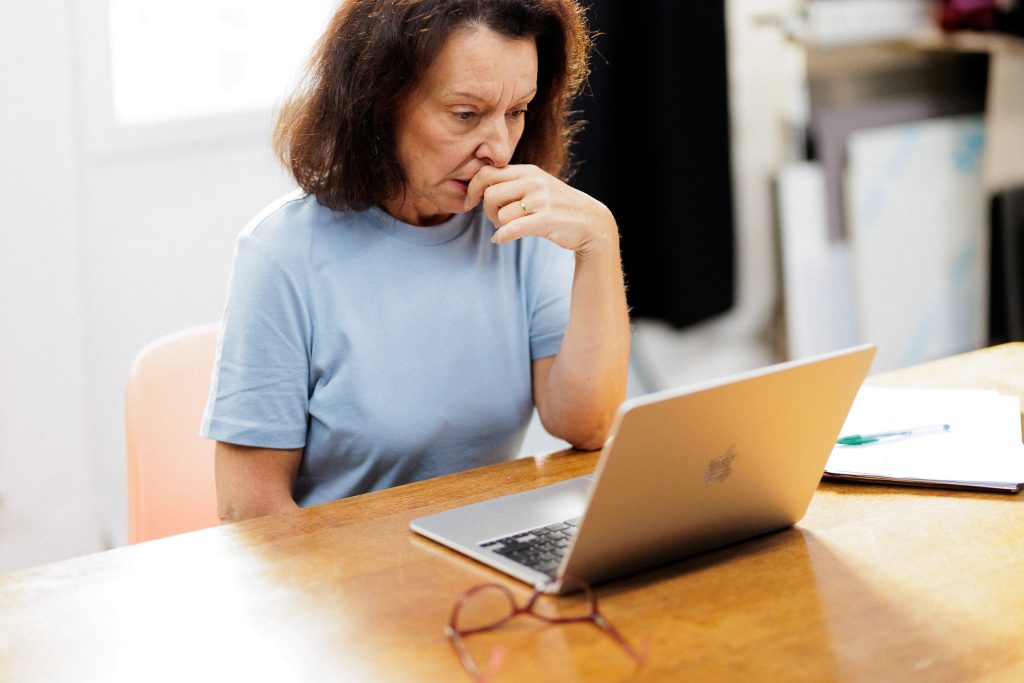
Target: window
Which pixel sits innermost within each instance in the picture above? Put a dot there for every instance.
(168, 73)
(174, 60)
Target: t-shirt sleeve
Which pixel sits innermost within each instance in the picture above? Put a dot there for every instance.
(259, 391)
(549, 291)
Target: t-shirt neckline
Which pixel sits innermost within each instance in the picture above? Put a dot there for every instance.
(420, 234)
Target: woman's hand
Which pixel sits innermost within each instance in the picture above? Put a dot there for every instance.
(523, 200)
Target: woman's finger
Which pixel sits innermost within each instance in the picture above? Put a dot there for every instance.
(517, 208)
(526, 226)
(487, 177)
(500, 194)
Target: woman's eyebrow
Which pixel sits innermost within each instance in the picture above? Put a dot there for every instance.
(461, 95)
(464, 96)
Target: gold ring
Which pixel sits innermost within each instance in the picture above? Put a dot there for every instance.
(522, 203)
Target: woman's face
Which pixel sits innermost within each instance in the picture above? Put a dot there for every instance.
(468, 112)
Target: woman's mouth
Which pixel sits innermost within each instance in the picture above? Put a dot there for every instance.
(463, 185)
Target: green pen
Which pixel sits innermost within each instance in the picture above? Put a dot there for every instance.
(861, 439)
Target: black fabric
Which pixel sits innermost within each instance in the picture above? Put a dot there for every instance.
(656, 151)
(1006, 260)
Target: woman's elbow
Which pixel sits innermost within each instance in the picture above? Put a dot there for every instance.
(231, 510)
(583, 434)
(595, 443)
(228, 513)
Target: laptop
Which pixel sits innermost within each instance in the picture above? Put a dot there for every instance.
(685, 470)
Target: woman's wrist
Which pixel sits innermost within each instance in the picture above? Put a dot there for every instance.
(604, 239)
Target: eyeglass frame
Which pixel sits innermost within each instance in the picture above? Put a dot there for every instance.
(456, 635)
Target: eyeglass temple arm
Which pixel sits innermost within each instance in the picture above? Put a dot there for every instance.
(494, 662)
(609, 628)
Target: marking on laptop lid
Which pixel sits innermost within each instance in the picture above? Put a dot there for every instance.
(719, 469)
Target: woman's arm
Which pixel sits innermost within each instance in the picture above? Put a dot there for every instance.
(578, 390)
(254, 482)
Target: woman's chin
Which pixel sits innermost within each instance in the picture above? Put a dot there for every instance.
(455, 206)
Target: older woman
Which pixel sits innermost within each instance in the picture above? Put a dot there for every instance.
(434, 279)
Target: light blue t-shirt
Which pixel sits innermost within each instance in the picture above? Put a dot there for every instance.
(391, 353)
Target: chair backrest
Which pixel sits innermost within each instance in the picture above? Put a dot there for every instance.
(170, 467)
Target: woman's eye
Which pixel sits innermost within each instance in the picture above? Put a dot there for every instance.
(465, 115)
(517, 114)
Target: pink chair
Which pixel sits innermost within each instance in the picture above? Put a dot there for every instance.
(170, 467)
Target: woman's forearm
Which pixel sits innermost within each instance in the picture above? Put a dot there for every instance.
(587, 379)
(254, 482)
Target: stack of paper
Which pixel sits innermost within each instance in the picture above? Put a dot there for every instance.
(980, 449)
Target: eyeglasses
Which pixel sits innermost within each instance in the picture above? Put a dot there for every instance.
(491, 605)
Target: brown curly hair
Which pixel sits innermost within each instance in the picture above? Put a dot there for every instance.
(336, 134)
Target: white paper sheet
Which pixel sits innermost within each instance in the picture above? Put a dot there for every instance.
(983, 443)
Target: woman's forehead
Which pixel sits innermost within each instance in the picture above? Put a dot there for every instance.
(479, 63)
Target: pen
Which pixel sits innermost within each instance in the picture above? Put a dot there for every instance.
(861, 439)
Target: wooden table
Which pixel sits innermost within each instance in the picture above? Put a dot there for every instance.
(876, 583)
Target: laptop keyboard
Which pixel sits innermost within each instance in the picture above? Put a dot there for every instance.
(540, 549)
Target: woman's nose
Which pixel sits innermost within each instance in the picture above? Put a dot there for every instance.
(497, 146)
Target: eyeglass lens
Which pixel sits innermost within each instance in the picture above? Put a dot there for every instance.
(488, 606)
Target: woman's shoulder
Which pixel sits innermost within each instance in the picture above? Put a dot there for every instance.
(296, 223)
(287, 217)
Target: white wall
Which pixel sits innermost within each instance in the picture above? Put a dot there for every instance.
(47, 485)
(105, 246)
